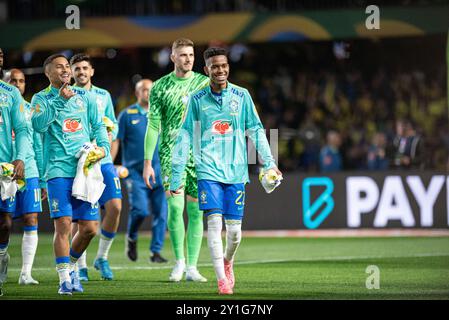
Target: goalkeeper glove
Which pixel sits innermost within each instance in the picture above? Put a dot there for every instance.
(92, 157)
(7, 170)
(108, 124)
(269, 179)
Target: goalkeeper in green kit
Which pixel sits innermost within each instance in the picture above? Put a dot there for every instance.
(168, 101)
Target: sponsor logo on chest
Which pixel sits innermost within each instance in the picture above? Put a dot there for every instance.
(71, 125)
(221, 126)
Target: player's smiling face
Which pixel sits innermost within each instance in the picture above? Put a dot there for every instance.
(183, 58)
(58, 72)
(82, 72)
(217, 68)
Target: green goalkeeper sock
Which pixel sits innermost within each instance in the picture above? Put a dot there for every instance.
(194, 232)
(176, 224)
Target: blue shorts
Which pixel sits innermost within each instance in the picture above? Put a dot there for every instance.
(8, 206)
(29, 200)
(113, 189)
(62, 204)
(229, 198)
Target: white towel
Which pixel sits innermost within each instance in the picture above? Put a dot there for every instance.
(88, 188)
(8, 187)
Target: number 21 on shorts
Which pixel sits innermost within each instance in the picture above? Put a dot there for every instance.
(240, 201)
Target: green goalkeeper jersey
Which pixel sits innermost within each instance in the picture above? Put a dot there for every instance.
(168, 102)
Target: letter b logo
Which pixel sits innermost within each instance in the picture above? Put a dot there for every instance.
(325, 197)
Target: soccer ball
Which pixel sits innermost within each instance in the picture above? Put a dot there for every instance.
(122, 171)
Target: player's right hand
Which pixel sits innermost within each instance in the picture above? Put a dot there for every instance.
(66, 92)
(148, 173)
(19, 169)
(176, 192)
(43, 194)
(278, 172)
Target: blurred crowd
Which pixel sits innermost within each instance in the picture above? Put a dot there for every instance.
(343, 121)
(350, 114)
(337, 106)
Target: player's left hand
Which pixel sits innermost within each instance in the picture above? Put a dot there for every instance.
(19, 169)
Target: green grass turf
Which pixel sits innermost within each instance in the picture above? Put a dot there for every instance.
(266, 268)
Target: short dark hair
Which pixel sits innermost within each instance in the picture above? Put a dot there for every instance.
(51, 58)
(80, 57)
(214, 51)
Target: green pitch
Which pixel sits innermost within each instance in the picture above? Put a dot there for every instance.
(266, 268)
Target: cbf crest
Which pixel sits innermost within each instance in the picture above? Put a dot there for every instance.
(234, 106)
(203, 197)
(100, 104)
(80, 103)
(55, 205)
(3, 100)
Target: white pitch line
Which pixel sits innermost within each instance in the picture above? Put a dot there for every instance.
(311, 259)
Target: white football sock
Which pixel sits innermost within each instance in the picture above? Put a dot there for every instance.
(63, 272)
(73, 264)
(104, 246)
(214, 226)
(29, 246)
(233, 238)
(82, 261)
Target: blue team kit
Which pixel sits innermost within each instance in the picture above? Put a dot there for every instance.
(28, 200)
(67, 125)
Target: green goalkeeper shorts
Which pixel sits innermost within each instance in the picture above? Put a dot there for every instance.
(189, 180)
